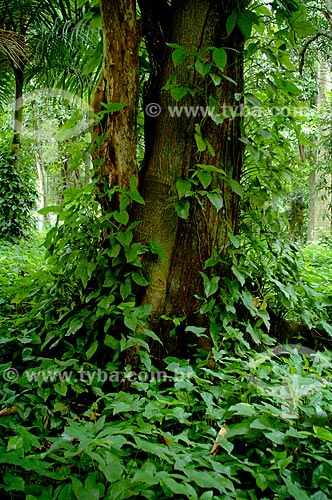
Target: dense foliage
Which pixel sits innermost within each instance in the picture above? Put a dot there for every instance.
(70, 428)
(91, 404)
(17, 199)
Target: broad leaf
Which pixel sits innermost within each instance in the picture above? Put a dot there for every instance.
(219, 58)
(183, 187)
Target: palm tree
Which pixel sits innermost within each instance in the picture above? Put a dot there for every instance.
(46, 41)
(12, 46)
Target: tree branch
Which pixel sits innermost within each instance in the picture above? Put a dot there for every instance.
(305, 47)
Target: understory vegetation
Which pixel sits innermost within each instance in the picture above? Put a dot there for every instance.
(239, 421)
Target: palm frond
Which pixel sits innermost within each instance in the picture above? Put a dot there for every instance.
(7, 84)
(14, 46)
(62, 56)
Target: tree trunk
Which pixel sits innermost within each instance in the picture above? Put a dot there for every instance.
(175, 280)
(42, 198)
(171, 150)
(319, 211)
(18, 112)
(115, 134)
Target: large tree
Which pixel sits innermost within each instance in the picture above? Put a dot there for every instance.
(195, 52)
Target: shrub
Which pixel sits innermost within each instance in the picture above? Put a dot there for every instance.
(17, 199)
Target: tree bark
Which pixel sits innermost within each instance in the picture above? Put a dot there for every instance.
(175, 280)
(171, 150)
(320, 182)
(18, 112)
(115, 134)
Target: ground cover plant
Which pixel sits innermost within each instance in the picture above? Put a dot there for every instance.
(78, 422)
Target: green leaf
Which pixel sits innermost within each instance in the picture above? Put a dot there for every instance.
(182, 209)
(125, 237)
(231, 23)
(245, 25)
(174, 46)
(133, 193)
(146, 475)
(216, 79)
(208, 480)
(175, 487)
(13, 483)
(110, 279)
(200, 142)
(244, 409)
(93, 63)
(276, 437)
(178, 56)
(216, 200)
(156, 249)
(205, 178)
(160, 450)
(220, 58)
(210, 286)
(114, 251)
(287, 86)
(207, 495)
(151, 334)
(325, 326)
(145, 359)
(125, 289)
(71, 193)
(299, 23)
(52, 209)
(15, 443)
(210, 148)
(240, 429)
(121, 217)
(253, 333)
(248, 301)
(296, 492)
(92, 349)
(131, 322)
(239, 275)
(234, 239)
(203, 68)
(178, 92)
(82, 271)
(112, 472)
(236, 187)
(323, 434)
(183, 187)
(111, 342)
(197, 330)
(84, 493)
(139, 279)
(133, 252)
(321, 474)
(211, 168)
(114, 106)
(75, 325)
(292, 88)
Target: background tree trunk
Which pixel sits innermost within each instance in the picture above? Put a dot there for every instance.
(320, 183)
(18, 112)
